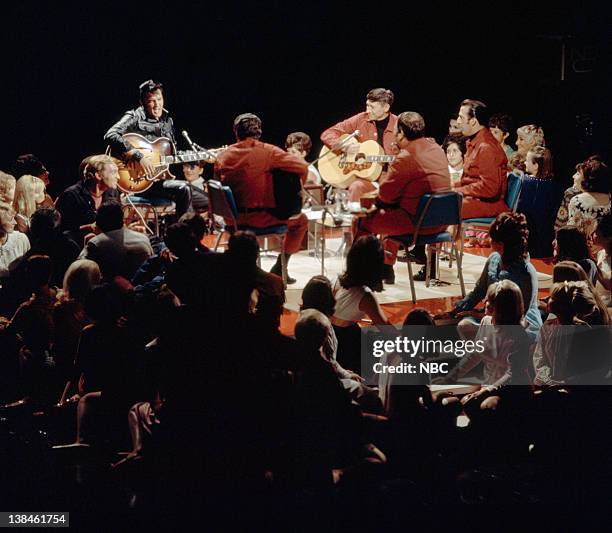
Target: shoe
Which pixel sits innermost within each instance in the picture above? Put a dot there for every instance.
(290, 280)
(420, 275)
(419, 259)
(388, 275)
(276, 269)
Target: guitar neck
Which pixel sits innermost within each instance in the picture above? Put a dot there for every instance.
(185, 157)
(380, 158)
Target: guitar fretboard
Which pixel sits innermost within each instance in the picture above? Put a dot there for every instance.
(380, 158)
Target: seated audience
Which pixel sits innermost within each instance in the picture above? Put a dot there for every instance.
(193, 175)
(574, 190)
(570, 245)
(500, 126)
(79, 202)
(69, 316)
(508, 260)
(33, 322)
(29, 196)
(299, 144)
(454, 148)
(588, 207)
(13, 244)
(7, 189)
(527, 137)
(29, 164)
(355, 300)
(572, 304)
(119, 251)
(539, 200)
(602, 243)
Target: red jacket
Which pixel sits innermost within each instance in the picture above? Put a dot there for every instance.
(484, 168)
(420, 168)
(247, 168)
(367, 129)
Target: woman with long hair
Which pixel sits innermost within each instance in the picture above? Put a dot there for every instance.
(29, 195)
(355, 300)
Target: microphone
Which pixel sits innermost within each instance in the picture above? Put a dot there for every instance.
(186, 135)
(346, 139)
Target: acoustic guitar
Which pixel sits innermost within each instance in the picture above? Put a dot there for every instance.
(366, 162)
(132, 178)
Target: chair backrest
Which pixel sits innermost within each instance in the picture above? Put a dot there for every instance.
(513, 191)
(438, 210)
(221, 201)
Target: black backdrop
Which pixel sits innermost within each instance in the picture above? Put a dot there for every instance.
(69, 69)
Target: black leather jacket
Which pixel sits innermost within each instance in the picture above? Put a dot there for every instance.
(136, 121)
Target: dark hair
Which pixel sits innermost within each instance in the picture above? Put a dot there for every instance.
(104, 302)
(419, 317)
(247, 126)
(45, 222)
(604, 226)
(596, 176)
(39, 269)
(28, 164)
(180, 239)
(459, 140)
(300, 140)
(364, 264)
(243, 246)
(511, 230)
(196, 223)
(478, 110)
(147, 87)
(573, 302)
(411, 124)
(501, 121)
(318, 294)
(109, 216)
(571, 244)
(385, 96)
(543, 158)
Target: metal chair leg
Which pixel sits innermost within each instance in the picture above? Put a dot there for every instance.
(411, 281)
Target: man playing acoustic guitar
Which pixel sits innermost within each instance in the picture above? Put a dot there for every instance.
(151, 121)
(376, 123)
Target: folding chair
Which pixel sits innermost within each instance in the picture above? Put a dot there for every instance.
(139, 208)
(513, 193)
(223, 214)
(443, 209)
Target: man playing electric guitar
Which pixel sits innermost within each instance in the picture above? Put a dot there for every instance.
(376, 123)
(151, 121)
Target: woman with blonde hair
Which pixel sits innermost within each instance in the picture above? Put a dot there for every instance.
(7, 189)
(69, 316)
(527, 137)
(29, 195)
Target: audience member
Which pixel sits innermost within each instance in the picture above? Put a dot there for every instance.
(602, 243)
(572, 304)
(539, 201)
(29, 196)
(500, 126)
(119, 251)
(508, 260)
(79, 202)
(355, 300)
(7, 189)
(454, 148)
(29, 164)
(527, 137)
(193, 173)
(299, 144)
(13, 244)
(574, 190)
(570, 245)
(588, 207)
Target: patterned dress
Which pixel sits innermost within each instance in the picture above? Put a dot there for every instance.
(586, 210)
